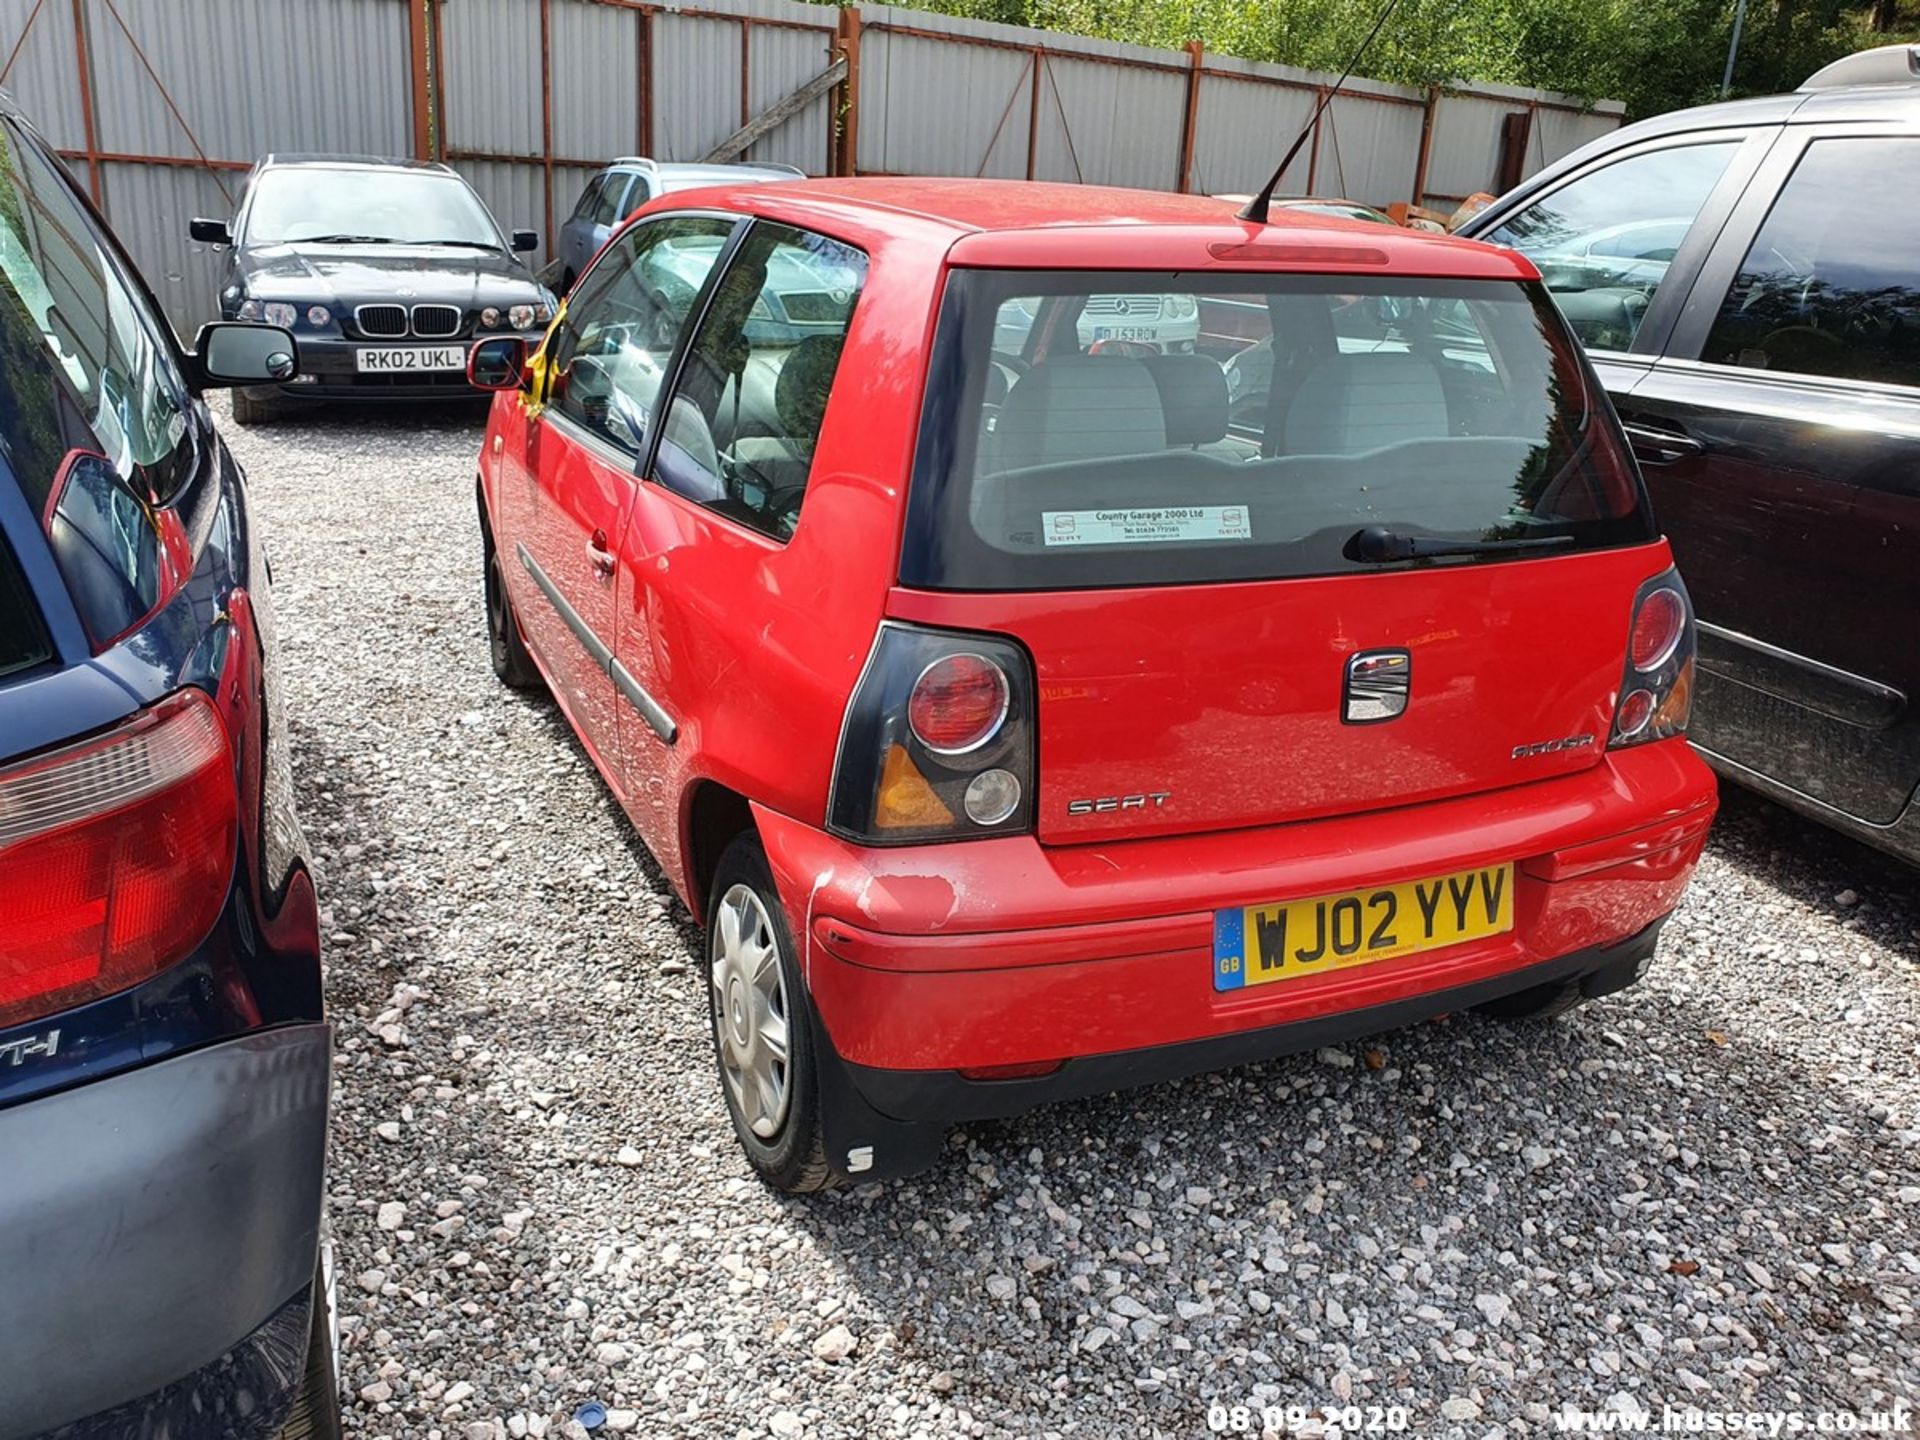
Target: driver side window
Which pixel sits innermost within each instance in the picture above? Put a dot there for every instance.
(1603, 242)
(611, 355)
(740, 431)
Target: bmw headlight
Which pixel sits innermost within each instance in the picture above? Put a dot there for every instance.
(249, 310)
(490, 318)
(525, 317)
(319, 316)
(279, 312)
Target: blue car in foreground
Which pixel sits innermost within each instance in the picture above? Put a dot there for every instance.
(164, 1060)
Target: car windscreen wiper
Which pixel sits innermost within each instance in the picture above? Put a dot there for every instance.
(463, 244)
(1377, 545)
(339, 240)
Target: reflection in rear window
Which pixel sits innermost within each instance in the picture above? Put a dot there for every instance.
(23, 641)
(1128, 429)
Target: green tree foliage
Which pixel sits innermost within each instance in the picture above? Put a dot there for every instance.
(1653, 54)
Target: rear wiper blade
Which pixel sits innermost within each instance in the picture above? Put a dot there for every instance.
(1377, 545)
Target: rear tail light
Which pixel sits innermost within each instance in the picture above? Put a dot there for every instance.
(1656, 693)
(116, 855)
(1658, 626)
(958, 704)
(938, 740)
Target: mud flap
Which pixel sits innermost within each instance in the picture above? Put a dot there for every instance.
(861, 1143)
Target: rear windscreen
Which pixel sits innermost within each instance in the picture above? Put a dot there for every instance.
(1094, 429)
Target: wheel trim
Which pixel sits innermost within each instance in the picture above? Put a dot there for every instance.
(751, 1016)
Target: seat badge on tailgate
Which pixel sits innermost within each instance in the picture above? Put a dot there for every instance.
(1377, 685)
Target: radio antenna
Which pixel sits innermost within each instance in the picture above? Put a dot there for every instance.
(1257, 207)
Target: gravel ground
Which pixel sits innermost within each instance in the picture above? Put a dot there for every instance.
(1704, 1192)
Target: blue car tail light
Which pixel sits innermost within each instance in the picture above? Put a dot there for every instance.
(116, 855)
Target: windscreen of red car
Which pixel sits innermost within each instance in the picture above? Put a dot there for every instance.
(1103, 429)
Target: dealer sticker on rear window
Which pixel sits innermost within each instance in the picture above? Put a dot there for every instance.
(1162, 524)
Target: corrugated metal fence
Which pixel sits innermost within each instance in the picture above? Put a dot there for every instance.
(162, 104)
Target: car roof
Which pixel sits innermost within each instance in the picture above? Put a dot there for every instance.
(685, 172)
(345, 161)
(1846, 103)
(1047, 225)
(1799, 107)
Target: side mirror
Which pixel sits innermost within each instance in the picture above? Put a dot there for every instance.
(210, 232)
(526, 240)
(232, 352)
(499, 363)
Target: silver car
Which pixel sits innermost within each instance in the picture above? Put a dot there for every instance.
(622, 188)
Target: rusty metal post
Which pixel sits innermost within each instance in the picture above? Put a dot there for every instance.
(746, 74)
(1189, 128)
(1421, 165)
(422, 92)
(1033, 116)
(646, 83)
(844, 117)
(546, 114)
(438, 61)
(83, 59)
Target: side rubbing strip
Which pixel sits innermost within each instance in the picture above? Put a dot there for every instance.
(657, 719)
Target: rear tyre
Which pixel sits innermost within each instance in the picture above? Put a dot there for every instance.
(249, 411)
(763, 1025)
(1542, 1002)
(505, 648)
(316, 1409)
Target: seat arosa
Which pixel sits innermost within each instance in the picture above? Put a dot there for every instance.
(1021, 727)
(164, 1061)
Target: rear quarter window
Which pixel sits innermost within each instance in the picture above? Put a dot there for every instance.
(1085, 429)
(23, 638)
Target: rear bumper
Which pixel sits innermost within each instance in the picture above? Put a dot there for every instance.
(158, 1232)
(1006, 952)
(946, 1096)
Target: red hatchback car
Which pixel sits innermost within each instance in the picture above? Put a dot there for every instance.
(1022, 727)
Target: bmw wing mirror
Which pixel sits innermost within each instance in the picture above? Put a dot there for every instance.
(526, 240)
(229, 353)
(210, 232)
(498, 363)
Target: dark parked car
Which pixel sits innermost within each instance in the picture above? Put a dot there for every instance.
(384, 270)
(164, 1061)
(623, 187)
(1746, 280)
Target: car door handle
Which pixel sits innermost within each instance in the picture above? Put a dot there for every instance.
(599, 556)
(1653, 446)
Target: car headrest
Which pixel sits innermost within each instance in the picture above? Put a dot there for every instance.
(1355, 403)
(1081, 407)
(800, 394)
(1193, 397)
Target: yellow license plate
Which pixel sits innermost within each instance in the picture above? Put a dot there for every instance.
(1259, 944)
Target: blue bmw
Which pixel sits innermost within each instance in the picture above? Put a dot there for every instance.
(164, 1059)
